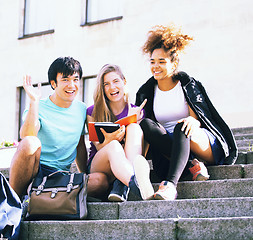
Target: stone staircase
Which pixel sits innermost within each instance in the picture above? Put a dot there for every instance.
(220, 208)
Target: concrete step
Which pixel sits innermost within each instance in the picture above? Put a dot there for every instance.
(180, 208)
(244, 149)
(244, 139)
(211, 189)
(215, 189)
(243, 130)
(243, 136)
(230, 172)
(235, 171)
(245, 158)
(232, 228)
(246, 144)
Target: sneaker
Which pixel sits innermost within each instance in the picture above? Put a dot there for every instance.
(119, 192)
(142, 181)
(166, 191)
(199, 171)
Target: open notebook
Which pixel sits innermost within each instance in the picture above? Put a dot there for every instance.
(94, 127)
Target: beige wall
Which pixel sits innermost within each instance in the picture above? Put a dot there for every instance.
(220, 57)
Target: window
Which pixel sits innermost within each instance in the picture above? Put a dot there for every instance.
(89, 84)
(103, 10)
(38, 17)
(46, 90)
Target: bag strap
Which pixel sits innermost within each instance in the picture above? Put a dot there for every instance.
(41, 186)
(70, 184)
(71, 179)
(50, 175)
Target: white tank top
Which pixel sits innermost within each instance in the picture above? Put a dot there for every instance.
(170, 106)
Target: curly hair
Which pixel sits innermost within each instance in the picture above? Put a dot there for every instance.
(169, 38)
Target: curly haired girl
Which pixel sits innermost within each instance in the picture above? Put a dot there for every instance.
(181, 126)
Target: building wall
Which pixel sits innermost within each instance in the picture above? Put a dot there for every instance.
(220, 57)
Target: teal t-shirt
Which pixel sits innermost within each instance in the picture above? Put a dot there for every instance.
(60, 131)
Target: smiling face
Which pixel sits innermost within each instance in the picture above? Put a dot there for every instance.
(161, 66)
(66, 89)
(114, 87)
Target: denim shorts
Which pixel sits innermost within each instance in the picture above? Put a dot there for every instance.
(217, 150)
(46, 170)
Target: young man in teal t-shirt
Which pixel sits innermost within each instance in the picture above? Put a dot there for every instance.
(52, 133)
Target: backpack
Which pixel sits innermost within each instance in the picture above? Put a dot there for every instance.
(10, 210)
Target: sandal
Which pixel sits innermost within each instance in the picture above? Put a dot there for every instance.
(199, 171)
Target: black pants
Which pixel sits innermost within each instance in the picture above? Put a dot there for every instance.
(169, 154)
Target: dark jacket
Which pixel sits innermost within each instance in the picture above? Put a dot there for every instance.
(200, 103)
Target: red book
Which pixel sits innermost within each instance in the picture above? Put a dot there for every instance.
(108, 126)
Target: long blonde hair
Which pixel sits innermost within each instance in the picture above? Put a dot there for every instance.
(102, 111)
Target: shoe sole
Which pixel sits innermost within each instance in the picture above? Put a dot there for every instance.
(200, 177)
(115, 198)
(204, 175)
(142, 170)
(157, 196)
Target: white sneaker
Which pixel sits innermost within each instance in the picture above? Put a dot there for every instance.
(166, 191)
(142, 170)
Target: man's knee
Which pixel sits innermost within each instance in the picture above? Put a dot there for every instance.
(98, 184)
(99, 180)
(26, 157)
(29, 145)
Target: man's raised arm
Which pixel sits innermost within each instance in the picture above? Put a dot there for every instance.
(31, 125)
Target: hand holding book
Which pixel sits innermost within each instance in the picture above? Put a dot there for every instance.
(118, 135)
(109, 127)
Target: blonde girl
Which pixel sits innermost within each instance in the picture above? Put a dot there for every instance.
(123, 164)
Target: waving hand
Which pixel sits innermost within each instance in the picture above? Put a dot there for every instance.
(33, 93)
